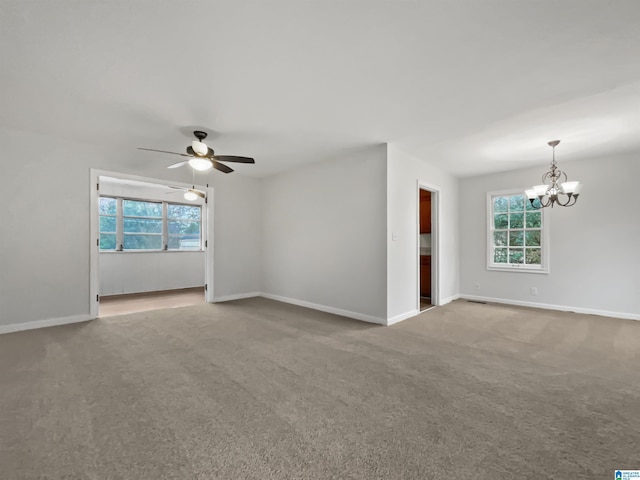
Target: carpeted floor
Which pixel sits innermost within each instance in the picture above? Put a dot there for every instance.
(256, 389)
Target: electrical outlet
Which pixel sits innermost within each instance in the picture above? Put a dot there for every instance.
(533, 291)
(477, 286)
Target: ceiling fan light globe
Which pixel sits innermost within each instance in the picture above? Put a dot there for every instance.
(191, 196)
(200, 164)
(200, 148)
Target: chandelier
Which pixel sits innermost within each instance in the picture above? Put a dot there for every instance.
(551, 192)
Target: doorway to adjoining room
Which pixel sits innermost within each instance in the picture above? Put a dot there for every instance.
(149, 244)
(425, 206)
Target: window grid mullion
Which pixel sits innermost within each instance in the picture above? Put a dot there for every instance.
(165, 225)
(119, 226)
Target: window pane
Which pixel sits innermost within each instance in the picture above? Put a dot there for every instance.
(143, 242)
(107, 241)
(142, 209)
(107, 205)
(516, 203)
(177, 226)
(516, 255)
(533, 256)
(184, 242)
(500, 239)
(516, 220)
(500, 255)
(516, 238)
(135, 225)
(183, 212)
(534, 219)
(533, 238)
(501, 220)
(500, 204)
(107, 224)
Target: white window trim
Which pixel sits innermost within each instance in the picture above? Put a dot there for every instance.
(545, 237)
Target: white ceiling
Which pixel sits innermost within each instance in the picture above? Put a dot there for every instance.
(473, 86)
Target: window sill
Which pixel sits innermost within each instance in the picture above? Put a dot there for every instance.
(518, 268)
(150, 251)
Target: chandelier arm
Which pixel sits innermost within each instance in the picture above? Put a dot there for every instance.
(565, 204)
(546, 204)
(572, 203)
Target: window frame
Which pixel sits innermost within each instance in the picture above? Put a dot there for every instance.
(164, 221)
(543, 268)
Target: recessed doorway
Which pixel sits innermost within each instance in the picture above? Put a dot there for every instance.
(427, 246)
(425, 229)
(149, 244)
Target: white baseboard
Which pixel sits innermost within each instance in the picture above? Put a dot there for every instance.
(450, 299)
(324, 308)
(402, 316)
(546, 306)
(237, 296)
(49, 322)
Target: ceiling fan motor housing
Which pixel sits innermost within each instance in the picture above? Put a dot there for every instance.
(200, 135)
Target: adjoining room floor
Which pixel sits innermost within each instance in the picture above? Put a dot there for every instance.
(143, 302)
(425, 304)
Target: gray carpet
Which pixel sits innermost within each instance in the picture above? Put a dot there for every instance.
(256, 389)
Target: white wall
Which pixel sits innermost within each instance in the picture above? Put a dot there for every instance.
(237, 234)
(44, 241)
(595, 246)
(324, 228)
(133, 272)
(405, 172)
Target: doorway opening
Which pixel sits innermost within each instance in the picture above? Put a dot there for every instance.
(149, 244)
(427, 279)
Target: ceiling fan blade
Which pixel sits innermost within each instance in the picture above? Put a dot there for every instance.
(233, 158)
(179, 164)
(163, 151)
(221, 167)
(199, 193)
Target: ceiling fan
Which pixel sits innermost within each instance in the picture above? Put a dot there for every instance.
(201, 157)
